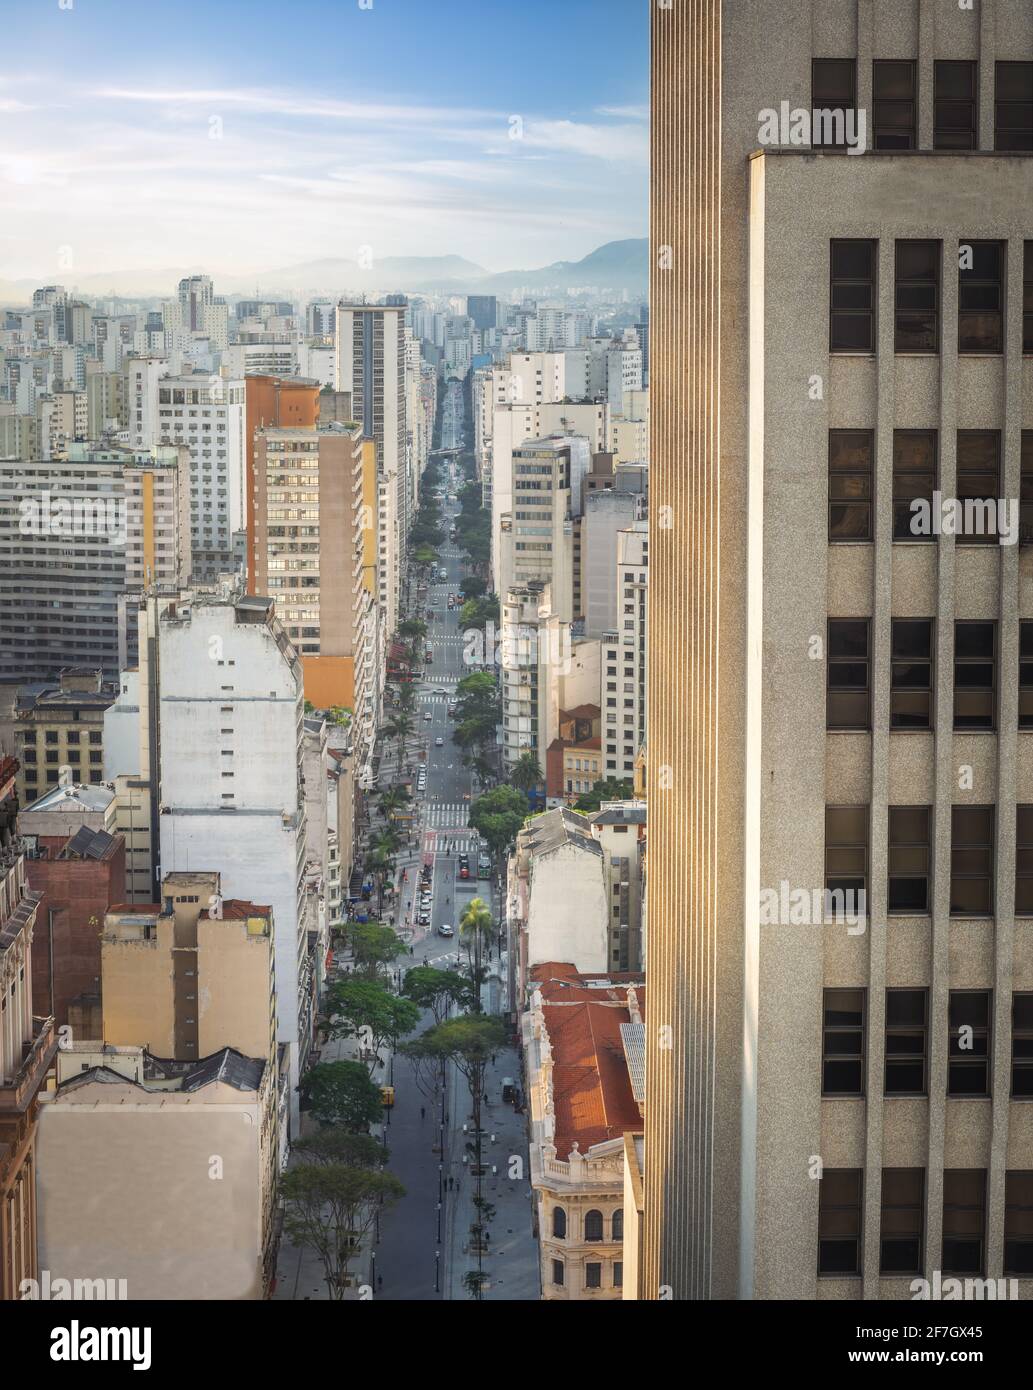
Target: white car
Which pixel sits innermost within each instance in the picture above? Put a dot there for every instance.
(439, 742)
(428, 715)
(445, 929)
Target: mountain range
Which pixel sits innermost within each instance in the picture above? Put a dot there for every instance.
(616, 266)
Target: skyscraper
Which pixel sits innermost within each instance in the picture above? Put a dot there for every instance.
(835, 694)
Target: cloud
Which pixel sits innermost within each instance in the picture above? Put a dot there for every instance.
(627, 113)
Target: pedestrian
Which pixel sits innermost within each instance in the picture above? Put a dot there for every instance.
(423, 1112)
(412, 949)
(380, 1281)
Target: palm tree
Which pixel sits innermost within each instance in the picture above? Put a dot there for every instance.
(381, 860)
(526, 774)
(393, 800)
(475, 931)
(400, 727)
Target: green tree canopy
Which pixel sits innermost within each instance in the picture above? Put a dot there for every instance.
(335, 1144)
(436, 989)
(497, 815)
(341, 1093)
(373, 946)
(609, 789)
(355, 1005)
(330, 1207)
(525, 773)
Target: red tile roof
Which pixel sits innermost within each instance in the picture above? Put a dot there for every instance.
(592, 1093)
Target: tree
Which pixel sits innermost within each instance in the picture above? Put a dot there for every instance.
(373, 946)
(393, 799)
(412, 628)
(436, 989)
(474, 1281)
(335, 1144)
(400, 726)
(475, 587)
(425, 556)
(341, 1093)
(476, 932)
(497, 815)
(355, 1006)
(478, 612)
(330, 1207)
(525, 773)
(609, 789)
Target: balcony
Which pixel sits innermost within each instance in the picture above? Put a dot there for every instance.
(37, 1058)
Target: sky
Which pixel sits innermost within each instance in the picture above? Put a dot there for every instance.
(239, 137)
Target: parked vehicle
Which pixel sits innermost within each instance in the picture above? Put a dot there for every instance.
(445, 929)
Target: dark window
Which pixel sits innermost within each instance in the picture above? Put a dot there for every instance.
(833, 89)
(914, 480)
(980, 296)
(1018, 1223)
(842, 1044)
(1027, 297)
(849, 666)
(978, 485)
(839, 1221)
(907, 1039)
(917, 297)
(975, 648)
(1022, 1046)
(850, 485)
(617, 1225)
(955, 106)
(618, 1274)
(1013, 107)
(968, 1067)
(893, 99)
(900, 1238)
(1026, 488)
(911, 677)
(910, 854)
(964, 1220)
(559, 1223)
(593, 1276)
(593, 1225)
(51, 736)
(972, 861)
(1024, 861)
(846, 857)
(1026, 675)
(557, 1272)
(852, 297)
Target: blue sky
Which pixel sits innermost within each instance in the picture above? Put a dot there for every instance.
(143, 134)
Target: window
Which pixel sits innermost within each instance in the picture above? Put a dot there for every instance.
(839, 1221)
(617, 1224)
(852, 297)
(559, 1223)
(954, 106)
(1026, 485)
(850, 485)
(914, 480)
(593, 1225)
(557, 1273)
(893, 100)
(1022, 1046)
(1018, 1223)
(968, 1066)
(833, 89)
(1026, 675)
(1024, 861)
(1013, 106)
(978, 485)
(900, 1235)
(846, 855)
(911, 675)
(907, 1038)
(848, 700)
(975, 648)
(842, 1043)
(964, 1220)
(593, 1276)
(972, 861)
(618, 1274)
(980, 296)
(1027, 297)
(916, 297)
(910, 853)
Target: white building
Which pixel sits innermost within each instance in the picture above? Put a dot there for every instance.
(623, 693)
(230, 722)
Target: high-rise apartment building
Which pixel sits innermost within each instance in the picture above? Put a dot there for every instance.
(841, 731)
(537, 536)
(371, 364)
(81, 538)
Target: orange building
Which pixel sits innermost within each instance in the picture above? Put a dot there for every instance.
(273, 401)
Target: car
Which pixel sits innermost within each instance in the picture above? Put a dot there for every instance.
(423, 919)
(450, 710)
(428, 715)
(445, 929)
(443, 575)
(439, 742)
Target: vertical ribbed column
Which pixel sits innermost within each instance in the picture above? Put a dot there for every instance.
(683, 655)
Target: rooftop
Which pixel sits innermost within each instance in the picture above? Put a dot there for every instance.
(83, 798)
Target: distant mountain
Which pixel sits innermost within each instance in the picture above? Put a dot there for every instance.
(619, 265)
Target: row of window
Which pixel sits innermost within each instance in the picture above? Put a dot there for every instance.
(916, 479)
(594, 1224)
(955, 103)
(848, 692)
(902, 1228)
(906, 1063)
(593, 1274)
(917, 296)
(910, 881)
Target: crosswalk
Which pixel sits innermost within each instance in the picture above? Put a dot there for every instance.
(447, 814)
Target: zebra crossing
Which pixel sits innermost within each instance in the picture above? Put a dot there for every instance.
(447, 815)
(434, 842)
